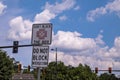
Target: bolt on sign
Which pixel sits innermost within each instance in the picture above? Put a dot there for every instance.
(42, 34)
(40, 56)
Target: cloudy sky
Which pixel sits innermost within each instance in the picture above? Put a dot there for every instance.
(84, 31)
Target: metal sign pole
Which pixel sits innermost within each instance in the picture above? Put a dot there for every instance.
(39, 71)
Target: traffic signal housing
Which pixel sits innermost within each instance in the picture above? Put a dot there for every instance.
(43, 71)
(15, 46)
(110, 70)
(96, 69)
(19, 68)
(28, 68)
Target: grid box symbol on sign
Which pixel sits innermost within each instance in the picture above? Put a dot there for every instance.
(42, 34)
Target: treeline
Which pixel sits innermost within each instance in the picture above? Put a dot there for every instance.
(63, 72)
(59, 71)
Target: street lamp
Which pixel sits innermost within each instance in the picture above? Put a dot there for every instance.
(56, 59)
(55, 53)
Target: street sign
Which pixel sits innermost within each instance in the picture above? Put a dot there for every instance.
(42, 34)
(40, 56)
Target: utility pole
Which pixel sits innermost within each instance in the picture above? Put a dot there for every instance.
(56, 62)
(56, 59)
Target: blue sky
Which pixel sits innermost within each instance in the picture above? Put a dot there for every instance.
(84, 31)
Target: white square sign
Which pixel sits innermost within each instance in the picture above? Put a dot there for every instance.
(40, 56)
(42, 34)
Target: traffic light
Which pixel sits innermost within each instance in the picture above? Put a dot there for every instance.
(35, 70)
(96, 69)
(15, 46)
(28, 68)
(19, 68)
(109, 69)
(43, 71)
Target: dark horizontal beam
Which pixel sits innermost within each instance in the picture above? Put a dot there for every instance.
(108, 70)
(19, 46)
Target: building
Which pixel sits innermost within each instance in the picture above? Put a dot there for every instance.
(19, 76)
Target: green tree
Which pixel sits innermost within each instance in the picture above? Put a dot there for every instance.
(51, 71)
(106, 76)
(82, 73)
(35, 72)
(63, 72)
(6, 66)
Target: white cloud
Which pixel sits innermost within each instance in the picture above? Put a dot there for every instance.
(75, 60)
(99, 40)
(44, 16)
(73, 50)
(77, 8)
(114, 52)
(52, 10)
(2, 7)
(117, 42)
(101, 31)
(60, 7)
(63, 18)
(108, 8)
(72, 41)
(19, 27)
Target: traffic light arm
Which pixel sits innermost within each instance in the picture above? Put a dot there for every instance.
(17, 46)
